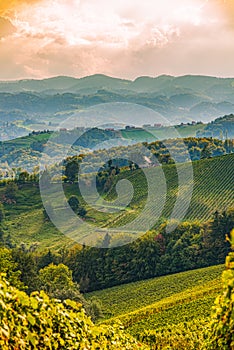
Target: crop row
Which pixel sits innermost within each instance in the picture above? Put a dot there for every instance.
(212, 185)
(143, 314)
(132, 296)
(183, 312)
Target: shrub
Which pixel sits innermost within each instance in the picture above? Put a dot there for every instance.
(38, 322)
(221, 335)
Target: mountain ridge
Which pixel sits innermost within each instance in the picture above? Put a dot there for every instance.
(69, 82)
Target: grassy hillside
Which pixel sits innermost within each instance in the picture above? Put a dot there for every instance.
(213, 188)
(162, 133)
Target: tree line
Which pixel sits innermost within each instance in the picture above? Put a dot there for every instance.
(192, 245)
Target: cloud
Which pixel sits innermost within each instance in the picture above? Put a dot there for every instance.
(227, 6)
(9, 6)
(6, 27)
(120, 38)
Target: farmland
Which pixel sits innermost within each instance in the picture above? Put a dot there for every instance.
(128, 298)
(159, 304)
(212, 190)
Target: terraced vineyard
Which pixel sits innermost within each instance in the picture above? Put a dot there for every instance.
(212, 183)
(170, 312)
(160, 302)
(213, 188)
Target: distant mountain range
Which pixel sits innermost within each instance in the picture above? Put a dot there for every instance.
(165, 84)
(178, 99)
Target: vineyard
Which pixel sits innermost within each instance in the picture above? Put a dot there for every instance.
(212, 183)
(175, 312)
(166, 311)
(38, 322)
(187, 335)
(133, 296)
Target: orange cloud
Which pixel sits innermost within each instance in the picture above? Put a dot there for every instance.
(9, 6)
(227, 8)
(6, 27)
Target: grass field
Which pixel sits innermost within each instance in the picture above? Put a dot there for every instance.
(26, 141)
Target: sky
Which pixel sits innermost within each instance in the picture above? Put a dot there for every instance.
(120, 38)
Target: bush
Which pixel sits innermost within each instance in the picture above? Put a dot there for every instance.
(2, 214)
(221, 335)
(38, 322)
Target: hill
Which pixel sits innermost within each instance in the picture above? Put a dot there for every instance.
(167, 83)
(27, 151)
(144, 294)
(171, 310)
(212, 190)
(39, 104)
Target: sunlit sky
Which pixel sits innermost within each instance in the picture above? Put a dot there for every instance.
(121, 38)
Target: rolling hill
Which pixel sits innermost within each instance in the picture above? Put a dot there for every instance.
(213, 188)
(177, 99)
(174, 308)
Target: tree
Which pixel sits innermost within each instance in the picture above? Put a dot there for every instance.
(45, 260)
(72, 168)
(1, 237)
(206, 152)
(56, 277)
(23, 177)
(82, 212)
(8, 242)
(221, 331)
(57, 281)
(10, 267)
(11, 190)
(26, 263)
(73, 201)
(2, 213)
